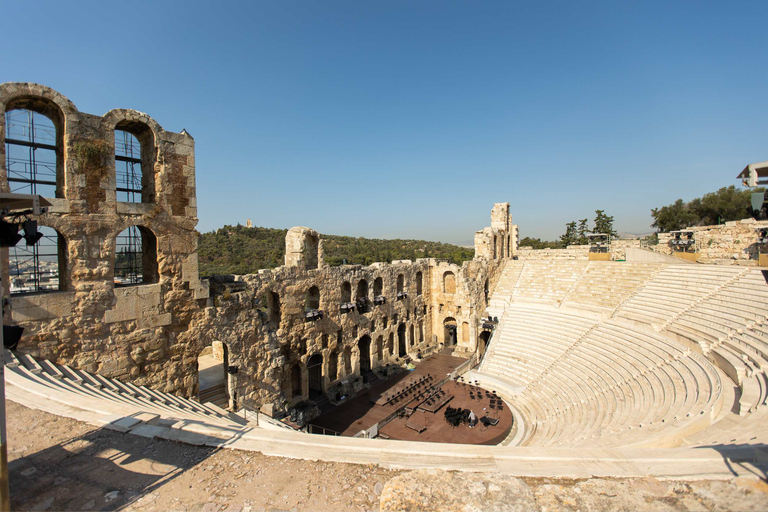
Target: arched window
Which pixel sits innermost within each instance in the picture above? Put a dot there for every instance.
(378, 287)
(346, 292)
(400, 283)
(41, 267)
(135, 257)
(312, 300)
(419, 278)
(494, 247)
(412, 337)
(32, 154)
(311, 251)
(134, 162)
(449, 283)
(362, 289)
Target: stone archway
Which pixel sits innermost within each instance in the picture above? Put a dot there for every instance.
(449, 332)
(403, 348)
(364, 346)
(315, 375)
(482, 343)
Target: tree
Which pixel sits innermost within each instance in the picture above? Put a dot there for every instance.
(604, 223)
(583, 230)
(675, 216)
(571, 234)
(726, 204)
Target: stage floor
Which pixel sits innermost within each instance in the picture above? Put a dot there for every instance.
(370, 407)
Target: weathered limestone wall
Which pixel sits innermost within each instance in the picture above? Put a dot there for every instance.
(498, 241)
(618, 251)
(732, 243)
(262, 320)
(571, 253)
(136, 333)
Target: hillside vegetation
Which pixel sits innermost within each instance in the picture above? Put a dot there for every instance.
(242, 250)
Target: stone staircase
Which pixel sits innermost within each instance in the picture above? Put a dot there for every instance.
(118, 405)
(216, 395)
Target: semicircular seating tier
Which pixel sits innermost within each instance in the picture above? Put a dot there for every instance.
(618, 354)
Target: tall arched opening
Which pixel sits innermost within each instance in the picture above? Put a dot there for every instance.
(380, 350)
(315, 376)
(364, 346)
(449, 332)
(296, 384)
(333, 366)
(403, 349)
(482, 343)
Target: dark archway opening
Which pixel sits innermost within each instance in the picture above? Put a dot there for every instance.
(401, 340)
(449, 332)
(296, 381)
(315, 375)
(482, 343)
(364, 345)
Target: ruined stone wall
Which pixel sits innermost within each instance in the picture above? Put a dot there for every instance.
(383, 314)
(732, 243)
(266, 349)
(618, 251)
(136, 333)
(499, 241)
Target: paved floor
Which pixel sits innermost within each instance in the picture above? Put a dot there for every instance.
(438, 430)
(211, 372)
(370, 407)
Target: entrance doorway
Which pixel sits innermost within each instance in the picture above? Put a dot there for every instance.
(482, 344)
(212, 375)
(449, 332)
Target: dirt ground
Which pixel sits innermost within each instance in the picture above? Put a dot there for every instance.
(57, 463)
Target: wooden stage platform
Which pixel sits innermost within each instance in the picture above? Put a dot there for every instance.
(415, 391)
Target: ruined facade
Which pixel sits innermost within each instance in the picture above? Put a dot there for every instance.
(138, 332)
(300, 330)
(307, 329)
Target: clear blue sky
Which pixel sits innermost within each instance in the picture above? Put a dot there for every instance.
(411, 118)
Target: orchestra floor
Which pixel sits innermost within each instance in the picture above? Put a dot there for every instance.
(378, 403)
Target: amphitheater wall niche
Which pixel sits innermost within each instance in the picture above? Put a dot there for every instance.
(137, 332)
(732, 243)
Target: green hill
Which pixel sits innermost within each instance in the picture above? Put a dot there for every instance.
(242, 250)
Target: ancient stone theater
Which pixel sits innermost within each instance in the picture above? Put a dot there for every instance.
(614, 359)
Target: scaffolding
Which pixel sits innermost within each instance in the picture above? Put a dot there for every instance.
(128, 257)
(30, 149)
(128, 172)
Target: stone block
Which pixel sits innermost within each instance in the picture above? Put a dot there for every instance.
(28, 308)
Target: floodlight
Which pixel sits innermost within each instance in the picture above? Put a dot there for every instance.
(31, 234)
(9, 234)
